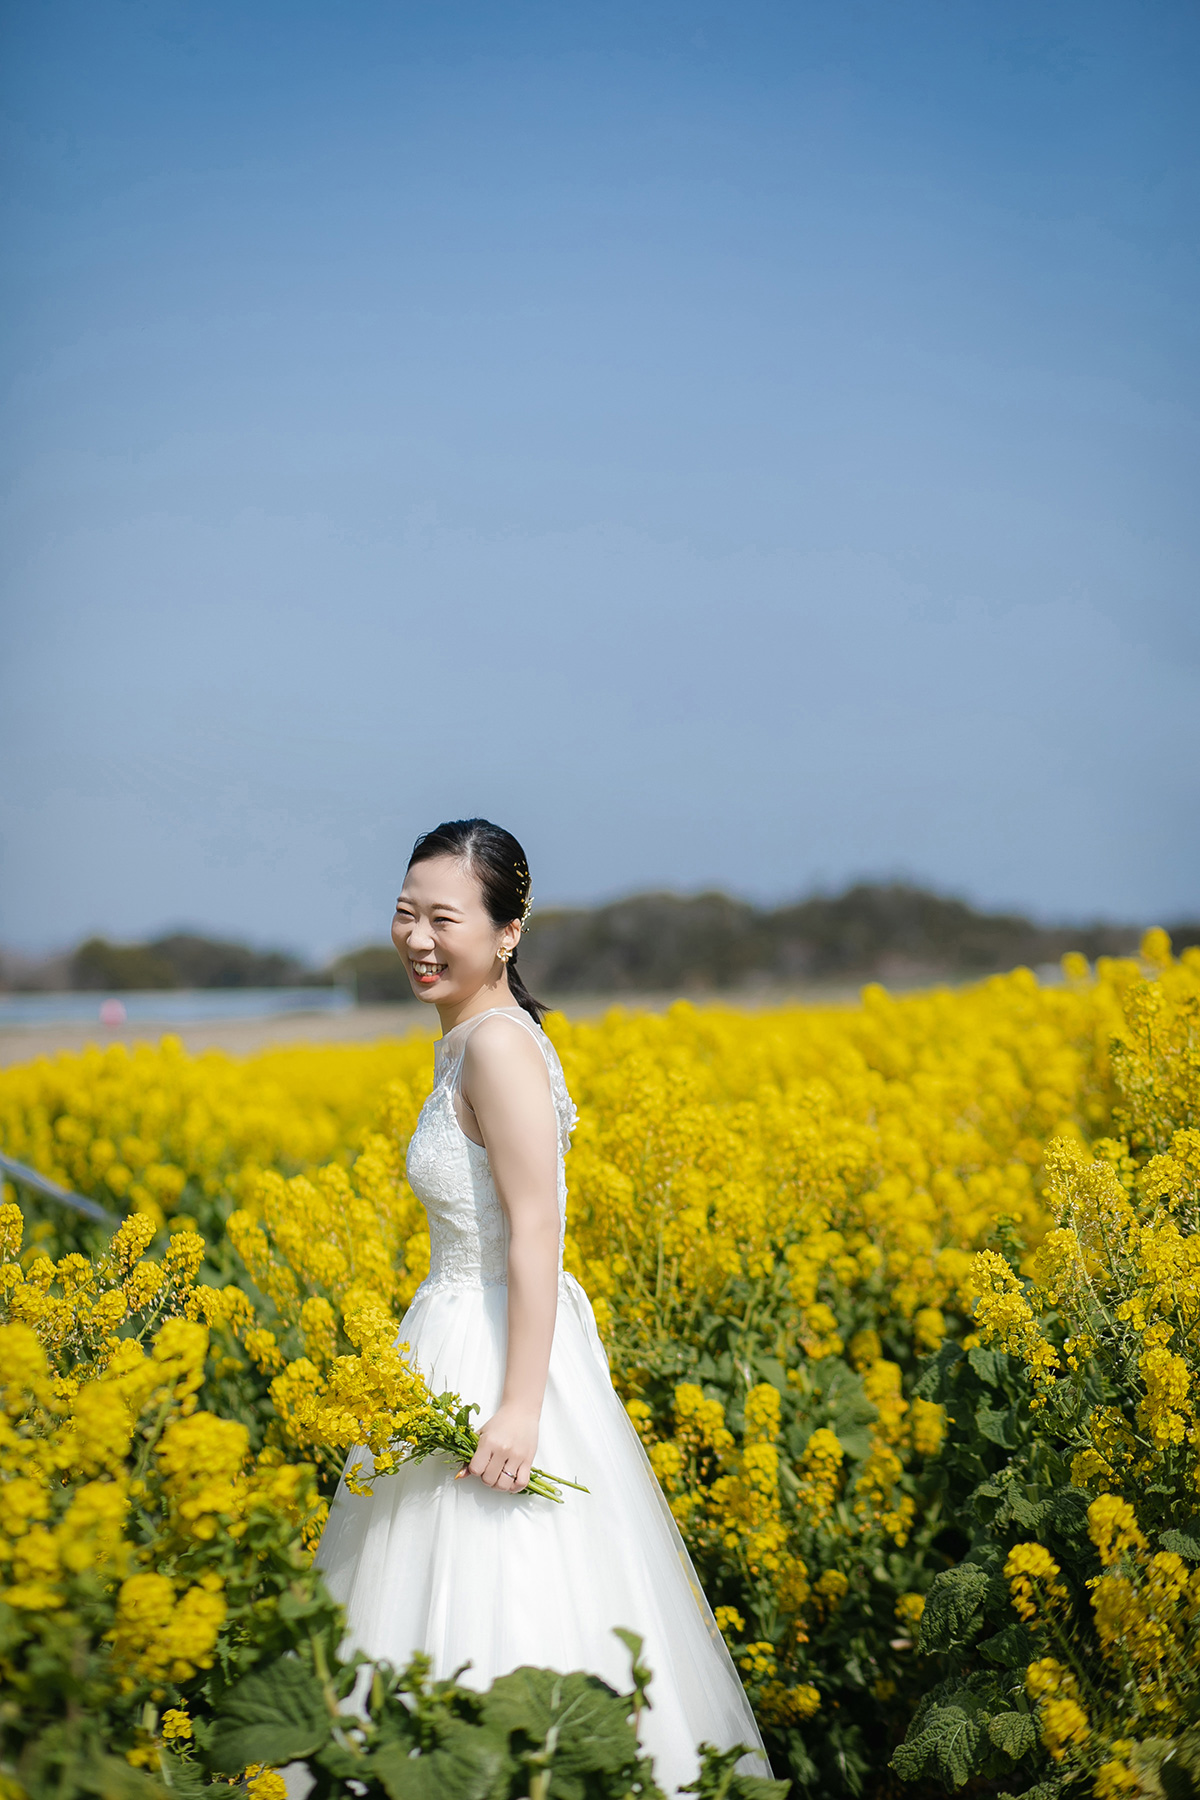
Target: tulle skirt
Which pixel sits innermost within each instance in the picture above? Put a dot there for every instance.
(471, 1575)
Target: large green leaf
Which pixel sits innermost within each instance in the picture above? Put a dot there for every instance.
(1013, 1732)
(465, 1766)
(276, 1715)
(997, 1427)
(1012, 1648)
(577, 1718)
(954, 1607)
(1030, 1514)
(184, 1776)
(1183, 1543)
(947, 1744)
(985, 1363)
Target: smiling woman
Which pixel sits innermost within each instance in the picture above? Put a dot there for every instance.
(465, 901)
(475, 1569)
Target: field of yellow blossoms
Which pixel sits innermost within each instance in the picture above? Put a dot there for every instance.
(903, 1299)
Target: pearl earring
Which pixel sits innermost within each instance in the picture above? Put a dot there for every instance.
(504, 955)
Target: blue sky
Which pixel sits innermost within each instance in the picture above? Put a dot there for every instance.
(745, 445)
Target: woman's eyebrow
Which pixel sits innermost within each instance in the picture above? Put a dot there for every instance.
(446, 906)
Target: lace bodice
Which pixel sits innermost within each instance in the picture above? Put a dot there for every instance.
(450, 1175)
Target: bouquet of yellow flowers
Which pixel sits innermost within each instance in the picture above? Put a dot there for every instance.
(441, 1425)
(328, 1403)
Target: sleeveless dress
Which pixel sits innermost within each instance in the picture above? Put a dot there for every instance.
(467, 1573)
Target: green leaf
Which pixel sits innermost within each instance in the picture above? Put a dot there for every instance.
(771, 1369)
(1013, 1732)
(303, 1605)
(996, 1427)
(184, 1776)
(1182, 1543)
(719, 1780)
(639, 1672)
(276, 1715)
(954, 1607)
(986, 1365)
(1043, 1790)
(1179, 1769)
(1012, 1648)
(108, 1777)
(938, 1371)
(1175, 1780)
(577, 1719)
(855, 1440)
(946, 1745)
(12, 1628)
(850, 1412)
(1029, 1514)
(465, 1766)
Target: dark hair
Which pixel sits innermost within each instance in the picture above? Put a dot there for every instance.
(494, 856)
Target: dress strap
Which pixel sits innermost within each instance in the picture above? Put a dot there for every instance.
(454, 1044)
(458, 1050)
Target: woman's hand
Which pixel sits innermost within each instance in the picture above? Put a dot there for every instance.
(507, 1447)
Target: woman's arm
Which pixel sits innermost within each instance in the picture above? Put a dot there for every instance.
(507, 1086)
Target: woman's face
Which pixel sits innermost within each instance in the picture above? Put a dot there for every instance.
(449, 945)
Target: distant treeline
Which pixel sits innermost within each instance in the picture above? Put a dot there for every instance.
(651, 943)
(181, 960)
(892, 932)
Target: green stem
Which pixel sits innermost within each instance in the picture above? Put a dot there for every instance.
(151, 1438)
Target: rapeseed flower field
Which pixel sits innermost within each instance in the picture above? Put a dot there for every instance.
(903, 1299)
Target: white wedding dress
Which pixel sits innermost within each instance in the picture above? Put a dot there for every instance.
(470, 1574)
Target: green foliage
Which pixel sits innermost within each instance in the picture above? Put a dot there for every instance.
(56, 1731)
(1001, 1483)
(372, 1731)
(275, 1716)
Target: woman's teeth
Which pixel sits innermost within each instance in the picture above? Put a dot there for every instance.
(427, 970)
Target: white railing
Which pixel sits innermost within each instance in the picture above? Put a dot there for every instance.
(41, 1184)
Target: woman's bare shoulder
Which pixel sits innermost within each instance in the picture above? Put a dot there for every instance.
(503, 1041)
(502, 1064)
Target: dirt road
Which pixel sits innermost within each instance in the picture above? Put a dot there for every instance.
(361, 1024)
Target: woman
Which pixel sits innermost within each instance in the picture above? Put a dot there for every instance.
(476, 1569)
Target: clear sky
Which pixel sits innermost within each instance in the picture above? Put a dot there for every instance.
(747, 443)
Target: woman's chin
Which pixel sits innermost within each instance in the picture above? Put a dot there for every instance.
(441, 992)
(429, 992)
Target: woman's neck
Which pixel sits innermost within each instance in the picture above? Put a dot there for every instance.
(490, 997)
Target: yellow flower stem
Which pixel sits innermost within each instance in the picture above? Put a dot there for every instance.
(1071, 1653)
(151, 1437)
